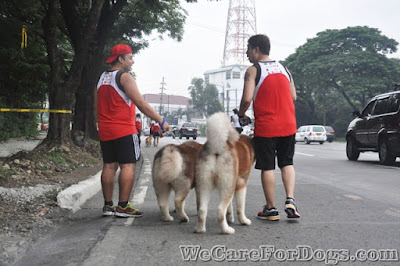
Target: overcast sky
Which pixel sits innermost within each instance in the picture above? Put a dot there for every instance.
(288, 23)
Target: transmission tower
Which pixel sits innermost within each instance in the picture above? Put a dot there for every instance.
(241, 24)
(161, 95)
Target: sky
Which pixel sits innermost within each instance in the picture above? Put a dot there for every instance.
(288, 23)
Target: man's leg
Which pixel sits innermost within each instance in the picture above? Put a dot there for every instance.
(289, 180)
(268, 183)
(107, 180)
(126, 180)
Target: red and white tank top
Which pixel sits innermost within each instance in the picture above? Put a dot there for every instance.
(116, 112)
(272, 102)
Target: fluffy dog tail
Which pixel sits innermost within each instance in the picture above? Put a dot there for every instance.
(220, 132)
(167, 164)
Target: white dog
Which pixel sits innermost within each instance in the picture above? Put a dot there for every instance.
(173, 168)
(224, 163)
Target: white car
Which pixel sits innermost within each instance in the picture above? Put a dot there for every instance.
(311, 133)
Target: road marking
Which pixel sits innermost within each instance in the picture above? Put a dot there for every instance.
(393, 212)
(138, 198)
(305, 154)
(353, 197)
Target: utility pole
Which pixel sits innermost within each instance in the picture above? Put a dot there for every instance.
(161, 94)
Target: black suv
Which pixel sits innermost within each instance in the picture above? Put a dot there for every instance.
(330, 134)
(377, 129)
(188, 130)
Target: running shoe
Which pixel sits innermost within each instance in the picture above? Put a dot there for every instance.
(128, 211)
(291, 208)
(108, 210)
(271, 214)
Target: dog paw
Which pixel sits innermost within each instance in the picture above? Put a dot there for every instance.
(228, 231)
(199, 229)
(245, 221)
(167, 218)
(184, 219)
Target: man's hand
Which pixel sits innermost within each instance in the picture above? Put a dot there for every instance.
(245, 120)
(165, 127)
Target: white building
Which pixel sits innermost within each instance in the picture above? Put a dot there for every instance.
(165, 103)
(229, 81)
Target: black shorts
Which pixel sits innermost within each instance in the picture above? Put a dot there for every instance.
(267, 149)
(122, 150)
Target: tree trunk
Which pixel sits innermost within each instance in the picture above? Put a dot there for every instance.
(343, 92)
(59, 98)
(84, 119)
(62, 89)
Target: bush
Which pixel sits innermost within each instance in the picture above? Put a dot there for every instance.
(14, 125)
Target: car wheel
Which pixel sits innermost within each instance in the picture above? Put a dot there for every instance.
(195, 137)
(351, 150)
(187, 137)
(321, 142)
(306, 141)
(180, 135)
(385, 157)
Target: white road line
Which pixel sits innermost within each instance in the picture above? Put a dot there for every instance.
(305, 154)
(353, 197)
(138, 198)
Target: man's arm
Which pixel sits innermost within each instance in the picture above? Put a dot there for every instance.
(248, 90)
(132, 91)
(95, 105)
(292, 87)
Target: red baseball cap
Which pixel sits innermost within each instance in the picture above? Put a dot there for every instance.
(118, 50)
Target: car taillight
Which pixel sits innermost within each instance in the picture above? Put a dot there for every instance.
(183, 128)
(333, 131)
(195, 129)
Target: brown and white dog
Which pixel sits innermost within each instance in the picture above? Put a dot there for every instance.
(224, 163)
(173, 168)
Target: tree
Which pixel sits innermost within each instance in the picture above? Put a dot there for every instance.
(24, 70)
(205, 97)
(340, 68)
(76, 33)
(135, 20)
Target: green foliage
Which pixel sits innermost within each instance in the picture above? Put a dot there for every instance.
(23, 72)
(205, 97)
(13, 124)
(340, 71)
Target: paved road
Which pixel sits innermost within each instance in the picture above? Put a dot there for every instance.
(348, 208)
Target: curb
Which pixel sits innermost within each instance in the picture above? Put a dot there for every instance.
(75, 196)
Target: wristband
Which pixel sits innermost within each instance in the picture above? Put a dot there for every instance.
(163, 122)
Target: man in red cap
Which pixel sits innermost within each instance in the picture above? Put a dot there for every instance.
(116, 98)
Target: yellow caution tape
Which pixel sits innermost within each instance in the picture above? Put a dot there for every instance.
(24, 40)
(35, 110)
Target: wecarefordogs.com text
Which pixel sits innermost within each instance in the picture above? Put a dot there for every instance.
(300, 253)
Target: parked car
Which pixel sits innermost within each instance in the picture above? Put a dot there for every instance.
(188, 130)
(311, 133)
(376, 128)
(330, 133)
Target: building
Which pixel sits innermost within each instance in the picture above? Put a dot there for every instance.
(229, 81)
(164, 103)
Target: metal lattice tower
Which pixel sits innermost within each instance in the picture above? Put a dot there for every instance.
(240, 26)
